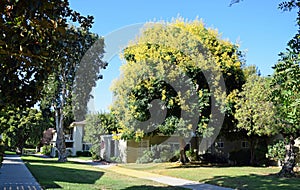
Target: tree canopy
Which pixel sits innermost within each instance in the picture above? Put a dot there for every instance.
(174, 73)
(30, 33)
(20, 127)
(68, 88)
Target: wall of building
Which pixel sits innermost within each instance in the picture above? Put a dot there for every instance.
(77, 137)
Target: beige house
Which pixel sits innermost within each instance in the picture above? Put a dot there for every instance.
(128, 151)
(73, 139)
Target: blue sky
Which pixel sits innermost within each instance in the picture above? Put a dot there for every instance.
(261, 29)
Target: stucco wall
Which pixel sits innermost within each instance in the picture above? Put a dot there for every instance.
(77, 137)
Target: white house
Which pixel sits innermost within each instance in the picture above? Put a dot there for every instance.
(73, 139)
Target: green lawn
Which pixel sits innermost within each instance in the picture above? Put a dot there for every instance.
(52, 175)
(9, 152)
(235, 177)
(83, 158)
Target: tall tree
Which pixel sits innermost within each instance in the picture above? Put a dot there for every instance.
(68, 87)
(30, 32)
(286, 97)
(255, 112)
(286, 92)
(171, 78)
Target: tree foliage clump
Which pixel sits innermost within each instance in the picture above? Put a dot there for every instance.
(255, 112)
(30, 34)
(172, 75)
(20, 127)
(97, 125)
(286, 93)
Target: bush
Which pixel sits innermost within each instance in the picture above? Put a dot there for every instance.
(212, 158)
(192, 155)
(2, 149)
(84, 153)
(95, 156)
(46, 150)
(115, 159)
(176, 156)
(148, 156)
(241, 157)
(276, 151)
(158, 153)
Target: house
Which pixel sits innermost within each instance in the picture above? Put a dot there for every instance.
(128, 151)
(73, 139)
(219, 150)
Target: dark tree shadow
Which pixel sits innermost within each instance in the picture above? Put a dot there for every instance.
(50, 174)
(255, 181)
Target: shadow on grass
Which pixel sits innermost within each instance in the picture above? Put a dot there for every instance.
(254, 181)
(196, 165)
(48, 175)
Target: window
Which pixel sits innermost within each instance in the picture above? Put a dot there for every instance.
(245, 144)
(220, 144)
(86, 146)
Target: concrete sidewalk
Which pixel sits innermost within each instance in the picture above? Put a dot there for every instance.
(15, 175)
(172, 181)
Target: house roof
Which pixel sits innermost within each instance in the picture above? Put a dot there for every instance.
(77, 123)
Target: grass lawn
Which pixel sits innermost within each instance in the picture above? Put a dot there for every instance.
(9, 152)
(234, 177)
(52, 175)
(83, 157)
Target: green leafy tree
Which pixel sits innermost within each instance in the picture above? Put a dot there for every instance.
(166, 74)
(97, 125)
(22, 127)
(68, 87)
(30, 32)
(255, 113)
(286, 96)
(277, 151)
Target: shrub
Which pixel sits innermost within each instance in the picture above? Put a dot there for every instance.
(241, 157)
(148, 156)
(84, 153)
(176, 156)
(46, 150)
(276, 151)
(158, 153)
(192, 155)
(95, 156)
(2, 149)
(116, 159)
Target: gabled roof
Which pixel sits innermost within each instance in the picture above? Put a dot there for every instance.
(77, 123)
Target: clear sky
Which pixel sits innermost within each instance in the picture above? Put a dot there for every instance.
(260, 28)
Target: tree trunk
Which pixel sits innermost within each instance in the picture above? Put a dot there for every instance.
(60, 140)
(183, 157)
(253, 143)
(289, 163)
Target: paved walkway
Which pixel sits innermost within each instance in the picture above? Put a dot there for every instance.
(171, 181)
(14, 175)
